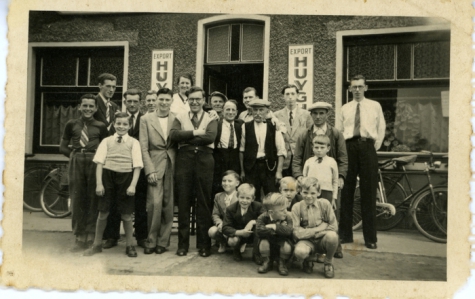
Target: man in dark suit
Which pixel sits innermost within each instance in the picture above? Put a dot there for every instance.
(226, 145)
(106, 109)
(112, 232)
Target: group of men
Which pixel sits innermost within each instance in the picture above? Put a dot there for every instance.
(184, 152)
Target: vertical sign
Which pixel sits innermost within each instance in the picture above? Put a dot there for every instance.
(301, 72)
(162, 69)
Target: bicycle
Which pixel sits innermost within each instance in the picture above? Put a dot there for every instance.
(33, 181)
(54, 199)
(427, 206)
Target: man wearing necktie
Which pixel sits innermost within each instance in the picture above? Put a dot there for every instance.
(84, 134)
(106, 109)
(363, 127)
(226, 145)
(195, 133)
(262, 151)
(131, 101)
(294, 118)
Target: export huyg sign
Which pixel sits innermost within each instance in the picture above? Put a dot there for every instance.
(301, 72)
(162, 69)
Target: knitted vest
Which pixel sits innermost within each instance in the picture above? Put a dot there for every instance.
(251, 147)
(187, 125)
(119, 155)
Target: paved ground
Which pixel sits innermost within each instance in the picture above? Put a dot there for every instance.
(401, 255)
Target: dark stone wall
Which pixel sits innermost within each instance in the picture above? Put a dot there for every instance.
(146, 32)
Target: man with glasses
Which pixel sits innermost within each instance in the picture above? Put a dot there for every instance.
(304, 148)
(195, 132)
(363, 127)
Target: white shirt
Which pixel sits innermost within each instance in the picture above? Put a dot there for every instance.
(225, 133)
(178, 106)
(243, 212)
(320, 130)
(372, 123)
(101, 153)
(228, 198)
(164, 124)
(326, 172)
(261, 131)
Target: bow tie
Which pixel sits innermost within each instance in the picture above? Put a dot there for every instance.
(319, 159)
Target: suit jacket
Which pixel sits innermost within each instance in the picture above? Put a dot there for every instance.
(301, 119)
(219, 208)
(303, 150)
(237, 129)
(135, 132)
(234, 221)
(156, 150)
(100, 114)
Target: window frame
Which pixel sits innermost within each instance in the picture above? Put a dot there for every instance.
(32, 81)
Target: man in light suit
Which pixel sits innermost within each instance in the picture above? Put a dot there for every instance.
(106, 109)
(158, 152)
(294, 118)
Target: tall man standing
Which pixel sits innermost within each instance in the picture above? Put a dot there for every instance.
(106, 109)
(304, 147)
(195, 133)
(293, 118)
(363, 127)
(249, 94)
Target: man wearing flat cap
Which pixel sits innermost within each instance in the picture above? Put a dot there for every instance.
(262, 151)
(303, 147)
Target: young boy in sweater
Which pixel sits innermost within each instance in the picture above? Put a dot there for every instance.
(119, 160)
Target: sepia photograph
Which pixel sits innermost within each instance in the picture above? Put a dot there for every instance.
(278, 148)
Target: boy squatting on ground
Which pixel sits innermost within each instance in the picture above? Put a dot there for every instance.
(119, 160)
(315, 227)
(239, 222)
(223, 200)
(274, 229)
(288, 188)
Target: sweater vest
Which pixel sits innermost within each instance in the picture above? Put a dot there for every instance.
(251, 147)
(119, 155)
(187, 125)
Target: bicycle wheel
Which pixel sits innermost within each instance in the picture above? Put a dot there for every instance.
(430, 214)
(395, 195)
(32, 184)
(357, 218)
(55, 198)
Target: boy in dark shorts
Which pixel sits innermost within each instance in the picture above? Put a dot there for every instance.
(119, 160)
(274, 228)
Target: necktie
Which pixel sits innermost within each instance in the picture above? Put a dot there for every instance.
(108, 116)
(231, 136)
(132, 119)
(194, 120)
(84, 136)
(356, 131)
(119, 139)
(290, 118)
(320, 159)
(311, 216)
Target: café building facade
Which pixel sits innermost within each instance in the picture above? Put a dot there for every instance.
(406, 61)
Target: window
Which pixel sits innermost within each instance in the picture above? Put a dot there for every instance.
(63, 75)
(408, 74)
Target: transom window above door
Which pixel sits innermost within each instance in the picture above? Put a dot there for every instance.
(235, 43)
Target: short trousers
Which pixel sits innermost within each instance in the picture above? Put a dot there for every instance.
(115, 186)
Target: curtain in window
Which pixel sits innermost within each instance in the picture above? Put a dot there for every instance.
(419, 125)
(54, 121)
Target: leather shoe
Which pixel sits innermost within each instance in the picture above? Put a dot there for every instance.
(93, 250)
(110, 243)
(371, 245)
(283, 268)
(78, 246)
(181, 252)
(130, 251)
(338, 253)
(328, 271)
(205, 252)
(147, 250)
(160, 249)
(257, 259)
(307, 266)
(267, 265)
(237, 256)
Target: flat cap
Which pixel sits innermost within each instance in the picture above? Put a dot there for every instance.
(259, 103)
(320, 105)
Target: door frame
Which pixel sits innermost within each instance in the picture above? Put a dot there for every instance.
(201, 43)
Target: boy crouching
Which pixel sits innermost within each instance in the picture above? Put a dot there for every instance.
(274, 228)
